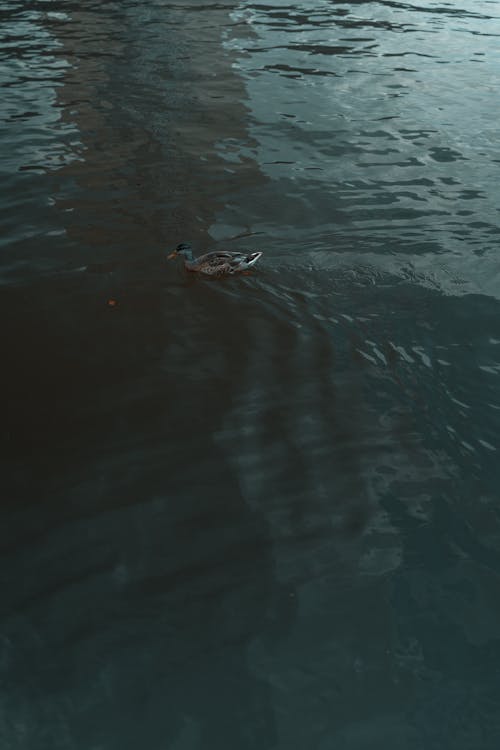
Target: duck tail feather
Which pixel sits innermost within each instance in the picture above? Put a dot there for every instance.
(253, 258)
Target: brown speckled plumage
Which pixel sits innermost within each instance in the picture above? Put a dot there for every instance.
(218, 263)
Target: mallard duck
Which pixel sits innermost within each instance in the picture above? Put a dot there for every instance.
(218, 263)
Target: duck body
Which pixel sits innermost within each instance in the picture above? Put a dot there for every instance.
(218, 263)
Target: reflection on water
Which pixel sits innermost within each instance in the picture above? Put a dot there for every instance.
(257, 512)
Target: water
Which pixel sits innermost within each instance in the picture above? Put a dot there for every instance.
(260, 512)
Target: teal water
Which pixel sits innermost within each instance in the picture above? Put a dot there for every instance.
(262, 512)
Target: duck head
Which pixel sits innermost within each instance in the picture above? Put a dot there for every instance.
(183, 249)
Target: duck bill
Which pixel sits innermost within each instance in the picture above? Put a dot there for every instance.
(173, 255)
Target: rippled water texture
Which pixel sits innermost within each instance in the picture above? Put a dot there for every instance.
(258, 513)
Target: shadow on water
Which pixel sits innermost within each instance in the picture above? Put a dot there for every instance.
(137, 573)
(145, 574)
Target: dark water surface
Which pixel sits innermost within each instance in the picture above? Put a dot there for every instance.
(262, 512)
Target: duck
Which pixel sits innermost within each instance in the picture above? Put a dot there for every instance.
(218, 263)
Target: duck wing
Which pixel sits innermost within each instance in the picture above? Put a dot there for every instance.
(218, 262)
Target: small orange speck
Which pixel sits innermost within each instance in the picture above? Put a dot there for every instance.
(112, 302)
